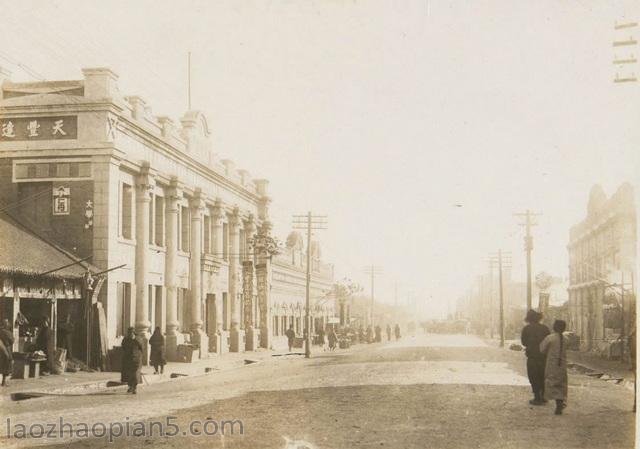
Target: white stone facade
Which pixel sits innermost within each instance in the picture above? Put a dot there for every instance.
(165, 207)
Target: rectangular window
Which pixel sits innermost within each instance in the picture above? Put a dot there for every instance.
(42, 170)
(241, 247)
(150, 303)
(206, 240)
(183, 313)
(63, 170)
(225, 241)
(152, 217)
(74, 170)
(185, 228)
(159, 221)
(158, 321)
(126, 211)
(123, 308)
(225, 311)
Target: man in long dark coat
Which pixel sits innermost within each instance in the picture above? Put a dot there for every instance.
(132, 350)
(532, 335)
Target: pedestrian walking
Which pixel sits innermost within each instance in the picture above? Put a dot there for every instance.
(333, 339)
(6, 351)
(532, 335)
(321, 338)
(556, 379)
(132, 350)
(158, 355)
(397, 331)
(291, 335)
(388, 332)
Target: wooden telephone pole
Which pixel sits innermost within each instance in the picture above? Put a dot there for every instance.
(308, 222)
(529, 221)
(373, 271)
(503, 260)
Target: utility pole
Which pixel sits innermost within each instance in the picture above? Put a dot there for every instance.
(189, 80)
(529, 221)
(503, 260)
(491, 323)
(308, 222)
(372, 270)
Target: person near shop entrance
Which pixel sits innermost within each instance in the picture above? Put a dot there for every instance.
(321, 338)
(42, 343)
(333, 339)
(158, 357)
(132, 350)
(291, 335)
(6, 351)
(532, 335)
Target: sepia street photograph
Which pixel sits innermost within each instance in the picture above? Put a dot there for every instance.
(319, 224)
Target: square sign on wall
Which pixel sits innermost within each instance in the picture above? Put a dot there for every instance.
(61, 199)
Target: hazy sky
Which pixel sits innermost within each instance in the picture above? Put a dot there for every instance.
(384, 115)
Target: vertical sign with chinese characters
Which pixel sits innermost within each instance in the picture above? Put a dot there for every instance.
(38, 128)
(61, 199)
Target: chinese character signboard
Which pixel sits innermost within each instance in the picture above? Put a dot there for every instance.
(61, 198)
(38, 128)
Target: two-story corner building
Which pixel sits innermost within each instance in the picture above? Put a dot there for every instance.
(96, 173)
(602, 255)
(288, 289)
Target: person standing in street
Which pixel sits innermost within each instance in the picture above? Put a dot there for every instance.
(388, 332)
(369, 334)
(6, 351)
(291, 334)
(378, 332)
(132, 350)
(321, 338)
(532, 335)
(556, 379)
(157, 358)
(397, 331)
(333, 339)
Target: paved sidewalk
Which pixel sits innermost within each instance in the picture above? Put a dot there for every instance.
(82, 381)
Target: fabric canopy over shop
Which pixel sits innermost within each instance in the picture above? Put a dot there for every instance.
(24, 253)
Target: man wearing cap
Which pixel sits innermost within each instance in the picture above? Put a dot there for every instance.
(532, 335)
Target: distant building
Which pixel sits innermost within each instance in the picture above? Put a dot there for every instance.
(602, 258)
(288, 289)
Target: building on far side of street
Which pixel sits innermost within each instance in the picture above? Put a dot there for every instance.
(602, 261)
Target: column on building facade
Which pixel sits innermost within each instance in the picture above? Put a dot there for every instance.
(198, 336)
(251, 334)
(263, 276)
(173, 337)
(236, 333)
(218, 336)
(144, 188)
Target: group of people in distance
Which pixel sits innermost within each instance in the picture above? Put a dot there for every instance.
(546, 360)
(133, 353)
(330, 336)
